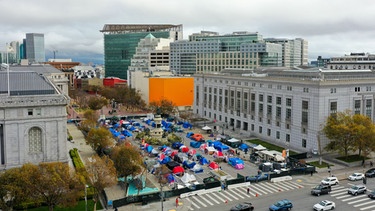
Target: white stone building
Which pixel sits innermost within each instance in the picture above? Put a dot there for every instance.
(32, 120)
(286, 107)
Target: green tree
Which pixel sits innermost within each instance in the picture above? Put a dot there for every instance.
(99, 139)
(163, 107)
(53, 183)
(13, 190)
(339, 129)
(101, 173)
(364, 133)
(128, 160)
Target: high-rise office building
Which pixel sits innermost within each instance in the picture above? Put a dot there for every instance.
(295, 51)
(121, 41)
(35, 51)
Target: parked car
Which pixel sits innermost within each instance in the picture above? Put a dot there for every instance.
(357, 189)
(371, 195)
(284, 204)
(321, 189)
(324, 205)
(356, 176)
(330, 181)
(243, 207)
(370, 172)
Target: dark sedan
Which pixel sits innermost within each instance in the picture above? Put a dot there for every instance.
(371, 195)
(243, 207)
(370, 173)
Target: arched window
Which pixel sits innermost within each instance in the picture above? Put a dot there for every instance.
(35, 140)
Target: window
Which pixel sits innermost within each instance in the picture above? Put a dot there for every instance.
(333, 108)
(357, 107)
(260, 129)
(333, 90)
(304, 143)
(269, 132)
(269, 99)
(289, 88)
(278, 100)
(306, 90)
(38, 111)
(252, 127)
(357, 89)
(30, 112)
(277, 134)
(35, 140)
(287, 138)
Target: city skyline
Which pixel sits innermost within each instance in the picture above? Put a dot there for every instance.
(332, 28)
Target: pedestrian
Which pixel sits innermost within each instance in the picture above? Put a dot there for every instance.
(371, 163)
(311, 173)
(116, 209)
(248, 191)
(176, 201)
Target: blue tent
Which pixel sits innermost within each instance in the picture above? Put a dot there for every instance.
(136, 124)
(189, 134)
(170, 178)
(216, 144)
(149, 148)
(121, 137)
(243, 147)
(187, 125)
(222, 147)
(127, 133)
(188, 165)
(195, 144)
(148, 121)
(203, 161)
(176, 145)
(116, 134)
(165, 160)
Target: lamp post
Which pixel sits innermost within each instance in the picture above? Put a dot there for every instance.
(86, 186)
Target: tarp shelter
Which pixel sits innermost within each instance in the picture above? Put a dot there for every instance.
(165, 160)
(259, 148)
(195, 144)
(154, 152)
(188, 178)
(174, 152)
(271, 155)
(243, 147)
(203, 161)
(172, 164)
(161, 156)
(218, 154)
(189, 134)
(192, 152)
(187, 125)
(203, 147)
(178, 170)
(149, 148)
(236, 163)
(127, 133)
(180, 157)
(197, 168)
(233, 140)
(170, 178)
(216, 144)
(197, 137)
(222, 148)
(210, 150)
(213, 165)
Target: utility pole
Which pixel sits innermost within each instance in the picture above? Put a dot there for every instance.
(54, 54)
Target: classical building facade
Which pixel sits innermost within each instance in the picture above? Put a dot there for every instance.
(284, 106)
(32, 120)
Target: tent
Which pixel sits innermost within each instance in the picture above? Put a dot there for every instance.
(218, 154)
(243, 147)
(161, 156)
(176, 145)
(172, 164)
(197, 168)
(216, 144)
(210, 150)
(188, 164)
(173, 153)
(184, 149)
(170, 178)
(165, 160)
(203, 147)
(192, 152)
(154, 152)
(188, 178)
(236, 163)
(149, 148)
(178, 170)
(189, 134)
(195, 144)
(197, 137)
(180, 157)
(203, 161)
(205, 128)
(222, 148)
(213, 165)
(233, 140)
(259, 148)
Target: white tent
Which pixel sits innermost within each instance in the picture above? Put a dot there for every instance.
(233, 140)
(206, 128)
(188, 178)
(260, 148)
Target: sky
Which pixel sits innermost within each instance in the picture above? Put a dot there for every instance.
(71, 28)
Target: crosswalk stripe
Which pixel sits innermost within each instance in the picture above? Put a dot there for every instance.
(236, 193)
(369, 207)
(194, 204)
(231, 195)
(358, 205)
(258, 190)
(355, 198)
(282, 186)
(273, 187)
(357, 201)
(204, 205)
(296, 185)
(201, 196)
(243, 192)
(225, 197)
(338, 194)
(344, 196)
(217, 197)
(265, 188)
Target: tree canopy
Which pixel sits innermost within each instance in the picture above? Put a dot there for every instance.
(163, 107)
(127, 159)
(350, 133)
(99, 139)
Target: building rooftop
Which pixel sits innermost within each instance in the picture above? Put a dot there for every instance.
(44, 69)
(25, 83)
(130, 28)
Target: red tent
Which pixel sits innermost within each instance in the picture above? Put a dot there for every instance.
(184, 149)
(175, 152)
(192, 152)
(161, 156)
(197, 137)
(213, 165)
(178, 170)
(218, 154)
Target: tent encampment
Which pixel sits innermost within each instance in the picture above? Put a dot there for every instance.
(213, 165)
(236, 163)
(197, 168)
(203, 161)
(205, 128)
(195, 144)
(243, 147)
(178, 170)
(259, 148)
(187, 178)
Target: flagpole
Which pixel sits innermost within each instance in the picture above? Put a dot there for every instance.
(7, 68)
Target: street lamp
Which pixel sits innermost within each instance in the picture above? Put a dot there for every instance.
(86, 186)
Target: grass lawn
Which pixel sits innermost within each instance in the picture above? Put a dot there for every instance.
(81, 206)
(351, 158)
(270, 146)
(316, 164)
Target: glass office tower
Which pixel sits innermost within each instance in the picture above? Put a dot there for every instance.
(35, 51)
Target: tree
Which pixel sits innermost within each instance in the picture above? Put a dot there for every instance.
(101, 173)
(339, 129)
(163, 107)
(364, 132)
(13, 190)
(96, 102)
(127, 159)
(90, 121)
(53, 183)
(99, 139)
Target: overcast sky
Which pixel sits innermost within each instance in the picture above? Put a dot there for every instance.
(71, 27)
